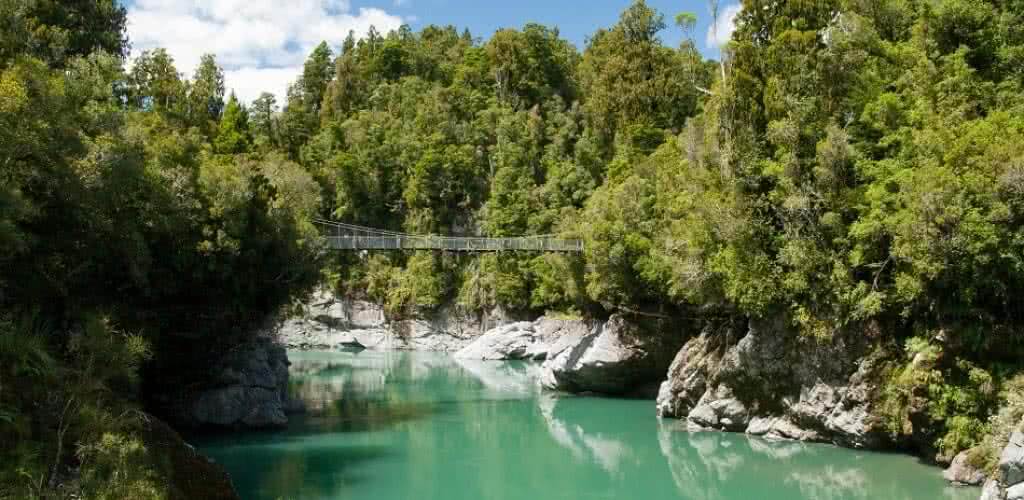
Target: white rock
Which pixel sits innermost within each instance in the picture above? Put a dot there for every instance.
(515, 341)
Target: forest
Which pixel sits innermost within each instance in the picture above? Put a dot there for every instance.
(848, 165)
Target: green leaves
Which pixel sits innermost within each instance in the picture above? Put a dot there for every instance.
(206, 93)
(233, 135)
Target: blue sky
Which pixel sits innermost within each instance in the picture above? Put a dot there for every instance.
(576, 19)
(262, 43)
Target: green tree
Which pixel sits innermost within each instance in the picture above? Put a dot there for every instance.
(316, 74)
(154, 83)
(233, 135)
(262, 117)
(206, 93)
(630, 78)
(531, 66)
(56, 32)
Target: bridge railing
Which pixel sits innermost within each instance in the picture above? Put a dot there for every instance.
(456, 244)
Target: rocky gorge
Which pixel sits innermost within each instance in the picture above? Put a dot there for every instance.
(757, 377)
(617, 356)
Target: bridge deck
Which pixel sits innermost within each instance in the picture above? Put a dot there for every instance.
(455, 244)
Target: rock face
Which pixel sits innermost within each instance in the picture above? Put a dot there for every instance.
(188, 474)
(515, 341)
(613, 357)
(250, 390)
(1008, 483)
(961, 472)
(769, 381)
(524, 340)
(329, 322)
(618, 356)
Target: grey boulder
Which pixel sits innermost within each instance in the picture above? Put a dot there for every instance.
(960, 471)
(614, 357)
(250, 390)
(513, 341)
(1008, 483)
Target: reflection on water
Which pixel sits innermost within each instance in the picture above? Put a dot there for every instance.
(425, 426)
(714, 465)
(585, 444)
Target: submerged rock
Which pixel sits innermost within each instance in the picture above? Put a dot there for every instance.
(614, 357)
(250, 390)
(771, 382)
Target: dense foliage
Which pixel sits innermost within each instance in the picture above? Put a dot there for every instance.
(133, 215)
(847, 164)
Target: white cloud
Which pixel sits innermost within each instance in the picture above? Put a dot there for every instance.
(720, 33)
(261, 44)
(249, 82)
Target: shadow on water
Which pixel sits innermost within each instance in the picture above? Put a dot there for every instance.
(352, 397)
(288, 469)
(354, 415)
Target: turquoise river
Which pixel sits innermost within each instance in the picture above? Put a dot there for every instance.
(424, 426)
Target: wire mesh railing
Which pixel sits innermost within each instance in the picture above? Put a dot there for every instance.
(341, 236)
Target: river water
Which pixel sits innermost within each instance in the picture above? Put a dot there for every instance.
(424, 426)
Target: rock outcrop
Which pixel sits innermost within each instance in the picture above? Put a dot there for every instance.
(330, 322)
(249, 390)
(515, 341)
(613, 357)
(188, 474)
(1008, 482)
(771, 382)
(961, 472)
(619, 356)
(525, 340)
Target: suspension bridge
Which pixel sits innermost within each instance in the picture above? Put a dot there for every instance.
(342, 236)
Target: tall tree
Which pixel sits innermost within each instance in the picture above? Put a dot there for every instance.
(155, 83)
(261, 119)
(233, 133)
(532, 65)
(316, 74)
(206, 93)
